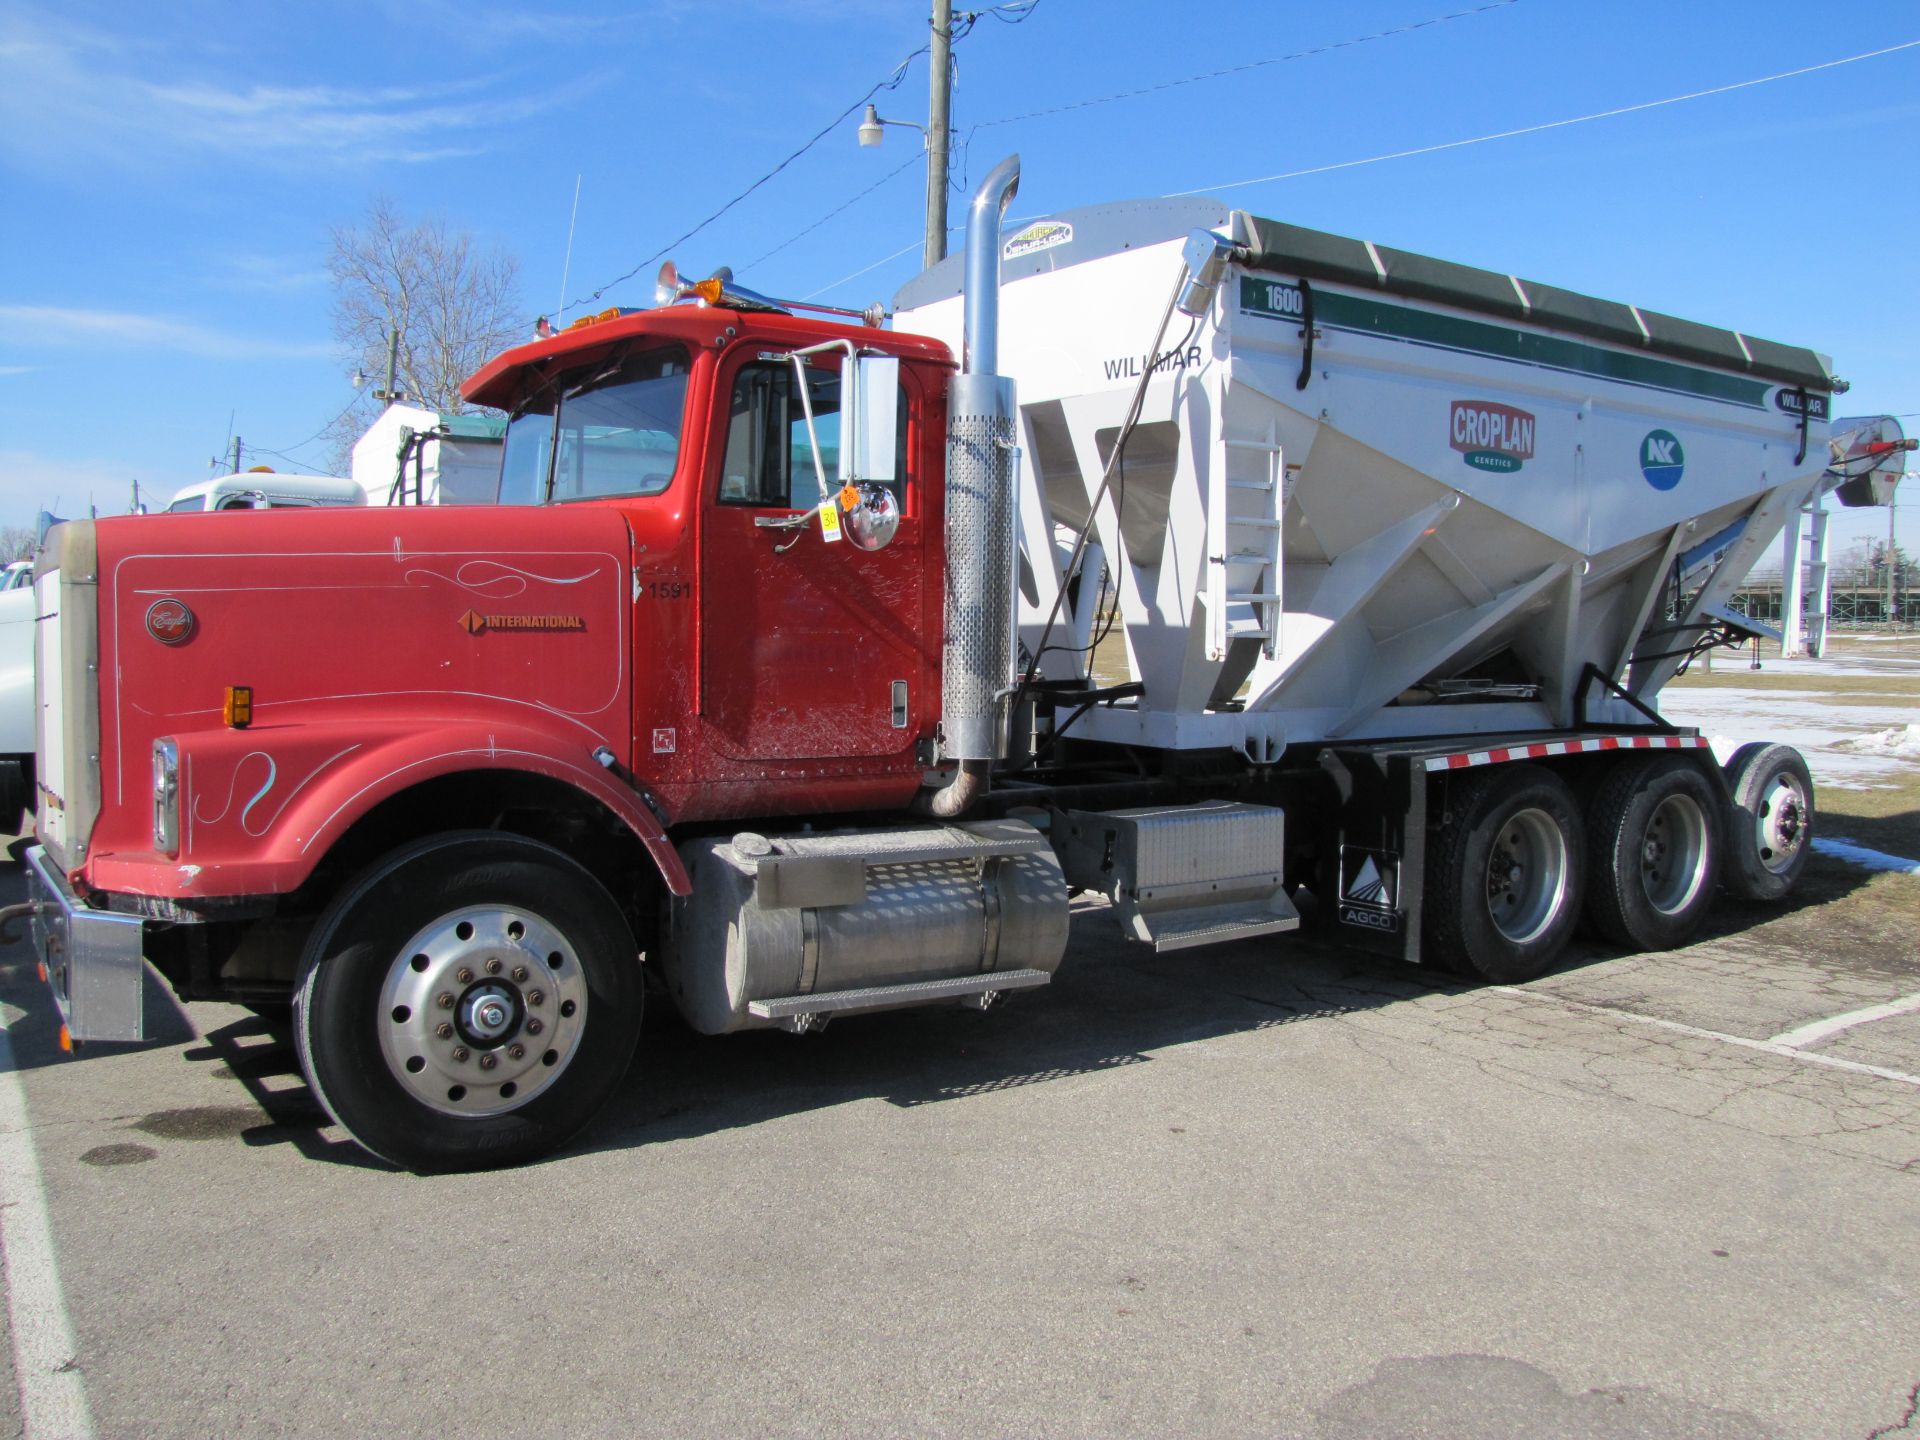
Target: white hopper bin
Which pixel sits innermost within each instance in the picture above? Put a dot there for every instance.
(1467, 491)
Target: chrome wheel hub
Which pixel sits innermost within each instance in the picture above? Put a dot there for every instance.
(1673, 854)
(482, 1010)
(1781, 823)
(1527, 876)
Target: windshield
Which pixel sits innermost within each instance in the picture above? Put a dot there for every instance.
(528, 458)
(619, 435)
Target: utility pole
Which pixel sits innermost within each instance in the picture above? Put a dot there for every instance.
(393, 360)
(1892, 503)
(235, 470)
(939, 115)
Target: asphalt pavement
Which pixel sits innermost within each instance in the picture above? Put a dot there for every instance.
(1269, 1189)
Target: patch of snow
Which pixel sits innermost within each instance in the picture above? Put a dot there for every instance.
(1860, 855)
(1823, 730)
(1901, 740)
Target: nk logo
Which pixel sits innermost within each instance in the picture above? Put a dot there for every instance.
(1662, 460)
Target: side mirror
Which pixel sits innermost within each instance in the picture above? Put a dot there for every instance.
(869, 405)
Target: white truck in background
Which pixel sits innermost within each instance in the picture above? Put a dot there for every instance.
(414, 456)
(263, 489)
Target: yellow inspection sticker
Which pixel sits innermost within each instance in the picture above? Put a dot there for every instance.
(830, 521)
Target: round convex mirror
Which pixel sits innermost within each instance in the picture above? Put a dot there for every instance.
(871, 523)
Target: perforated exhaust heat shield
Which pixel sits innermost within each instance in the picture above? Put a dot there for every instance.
(977, 665)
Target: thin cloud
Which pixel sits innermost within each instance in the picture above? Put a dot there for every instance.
(272, 273)
(66, 485)
(18, 369)
(71, 329)
(68, 92)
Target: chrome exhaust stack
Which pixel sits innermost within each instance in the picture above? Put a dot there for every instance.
(977, 663)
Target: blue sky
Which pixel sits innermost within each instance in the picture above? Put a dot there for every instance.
(169, 173)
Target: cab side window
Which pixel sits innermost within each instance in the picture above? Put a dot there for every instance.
(769, 457)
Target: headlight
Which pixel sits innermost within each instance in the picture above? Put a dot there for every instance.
(166, 796)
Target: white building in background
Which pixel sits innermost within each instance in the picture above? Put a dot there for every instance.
(412, 456)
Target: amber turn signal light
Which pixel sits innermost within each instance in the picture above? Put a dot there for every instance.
(66, 1039)
(238, 711)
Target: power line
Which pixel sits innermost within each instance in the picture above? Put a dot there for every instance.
(865, 269)
(1013, 13)
(1250, 65)
(283, 455)
(900, 169)
(892, 81)
(1552, 124)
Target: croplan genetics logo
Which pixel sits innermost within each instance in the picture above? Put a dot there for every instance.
(1662, 460)
(1491, 436)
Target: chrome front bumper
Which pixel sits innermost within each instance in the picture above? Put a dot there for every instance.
(92, 957)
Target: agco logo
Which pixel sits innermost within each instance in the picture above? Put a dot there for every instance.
(1491, 436)
(1662, 460)
(170, 622)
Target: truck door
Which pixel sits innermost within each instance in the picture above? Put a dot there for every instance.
(808, 649)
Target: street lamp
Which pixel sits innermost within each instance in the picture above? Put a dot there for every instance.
(390, 395)
(936, 133)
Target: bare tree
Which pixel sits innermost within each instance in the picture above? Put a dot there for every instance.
(452, 303)
(16, 542)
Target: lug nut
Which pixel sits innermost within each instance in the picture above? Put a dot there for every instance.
(443, 1030)
(459, 1054)
(534, 1027)
(493, 967)
(520, 974)
(536, 997)
(464, 975)
(516, 1051)
(443, 1000)
(488, 1060)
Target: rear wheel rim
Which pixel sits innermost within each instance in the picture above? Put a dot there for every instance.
(1527, 875)
(1780, 822)
(1673, 854)
(482, 1010)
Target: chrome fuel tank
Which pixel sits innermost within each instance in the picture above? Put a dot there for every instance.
(779, 926)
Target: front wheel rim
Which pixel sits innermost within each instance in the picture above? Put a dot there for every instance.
(1673, 854)
(482, 1010)
(1527, 874)
(1780, 824)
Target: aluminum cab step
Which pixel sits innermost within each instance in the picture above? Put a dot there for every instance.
(806, 1012)
(1214, 924)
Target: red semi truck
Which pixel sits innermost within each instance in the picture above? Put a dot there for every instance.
(747, 689)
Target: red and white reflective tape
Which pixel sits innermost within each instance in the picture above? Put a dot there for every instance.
(1466, 759)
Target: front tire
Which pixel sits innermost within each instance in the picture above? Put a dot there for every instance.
(471, 1001)
(1653, 838)
(1504, 876)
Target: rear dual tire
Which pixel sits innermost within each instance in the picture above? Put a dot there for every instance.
(1654, 841)
(1517, 861)
(1505, 875)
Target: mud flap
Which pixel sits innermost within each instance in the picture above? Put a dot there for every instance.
(1378, 867)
